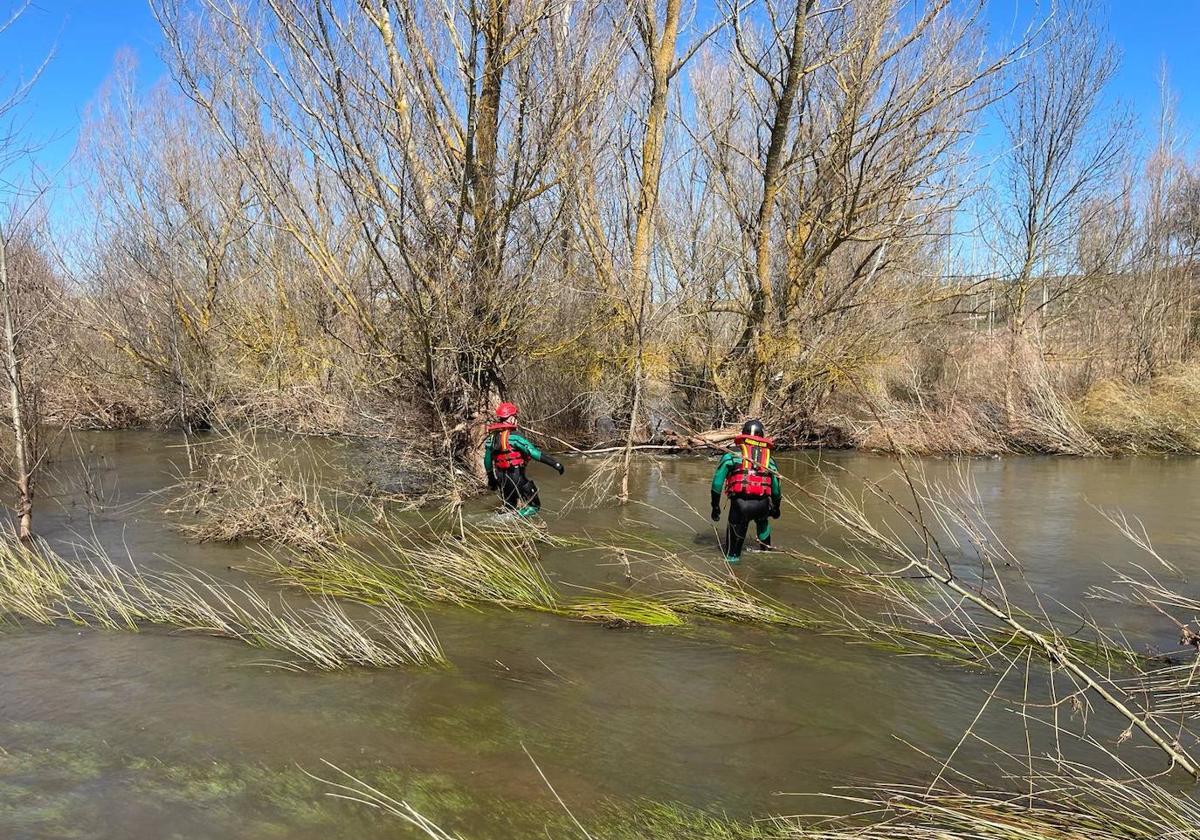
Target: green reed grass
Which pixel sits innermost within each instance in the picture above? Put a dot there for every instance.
(497, 564)
(501, 566)
(720, 594)
(393, 560)
(639, 611)
(38, 585)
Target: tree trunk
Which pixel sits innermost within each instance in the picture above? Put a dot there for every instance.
(485, 143)
(663, 58)
(764, 297)
(1016, 329)
(480, 385)
(635, 408)
(22, 460)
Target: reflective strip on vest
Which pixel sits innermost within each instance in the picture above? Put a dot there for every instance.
(752, 478)
(504, 457)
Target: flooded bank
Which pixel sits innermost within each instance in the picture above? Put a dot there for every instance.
(158, 734)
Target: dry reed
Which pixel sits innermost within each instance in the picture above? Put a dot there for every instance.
(1160, 417)
(38, 585)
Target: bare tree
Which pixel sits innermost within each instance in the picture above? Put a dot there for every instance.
(782, 65)
(173, 223)
(386, 215)
(658, 43)
(431, 139)
(1065, 156)
(23, 456)
(21, 306)
(837, 150)
(32, 304)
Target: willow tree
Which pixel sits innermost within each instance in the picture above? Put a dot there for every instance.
(172, 218)
(658, 35)
(782, 64)
(429, 136)
(836, 144)
(1065, 156)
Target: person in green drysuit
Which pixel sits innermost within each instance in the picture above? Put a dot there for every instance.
(505, 455)
(751, 480)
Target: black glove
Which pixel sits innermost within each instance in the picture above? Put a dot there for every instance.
(716, 513)
(493, 484)
(561, 469)
(775, 511)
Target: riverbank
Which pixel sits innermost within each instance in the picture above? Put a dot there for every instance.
(893, 409)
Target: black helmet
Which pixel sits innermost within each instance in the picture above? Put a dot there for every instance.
(754, 428)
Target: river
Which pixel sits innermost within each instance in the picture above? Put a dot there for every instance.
(159, 734)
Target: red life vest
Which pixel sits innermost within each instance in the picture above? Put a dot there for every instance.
(505, 457)
(752, 478)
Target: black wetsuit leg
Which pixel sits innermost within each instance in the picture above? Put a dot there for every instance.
(529, 492)
(510, 488)
(741, 512)
(517, 489)
(763, 528)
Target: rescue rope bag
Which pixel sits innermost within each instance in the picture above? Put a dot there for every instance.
(752, 478)
(505, 457)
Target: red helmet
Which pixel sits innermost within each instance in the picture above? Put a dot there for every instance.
(505, 411)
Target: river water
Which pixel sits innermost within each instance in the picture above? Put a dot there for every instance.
(160, 734)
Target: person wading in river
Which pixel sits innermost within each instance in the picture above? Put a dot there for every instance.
(751, 481)
(504, 458)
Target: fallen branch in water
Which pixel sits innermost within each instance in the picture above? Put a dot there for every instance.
(920, 567)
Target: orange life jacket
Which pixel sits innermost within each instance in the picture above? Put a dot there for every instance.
(752, 478)
(505, 457)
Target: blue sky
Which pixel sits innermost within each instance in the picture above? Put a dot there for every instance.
(87, 34)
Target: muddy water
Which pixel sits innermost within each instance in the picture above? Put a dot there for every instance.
(157, 735)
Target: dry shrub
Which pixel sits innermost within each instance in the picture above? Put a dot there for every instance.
(79, 401)
(286, 491)
(1160, 417)
(297, 408)
(242, 493)
(951, 400)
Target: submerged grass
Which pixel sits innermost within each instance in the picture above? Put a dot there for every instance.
(724, 596)
(1064, 802)
(38, 585)
(618, 612)
(500, 565)
(389, 559)
(240, 493)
